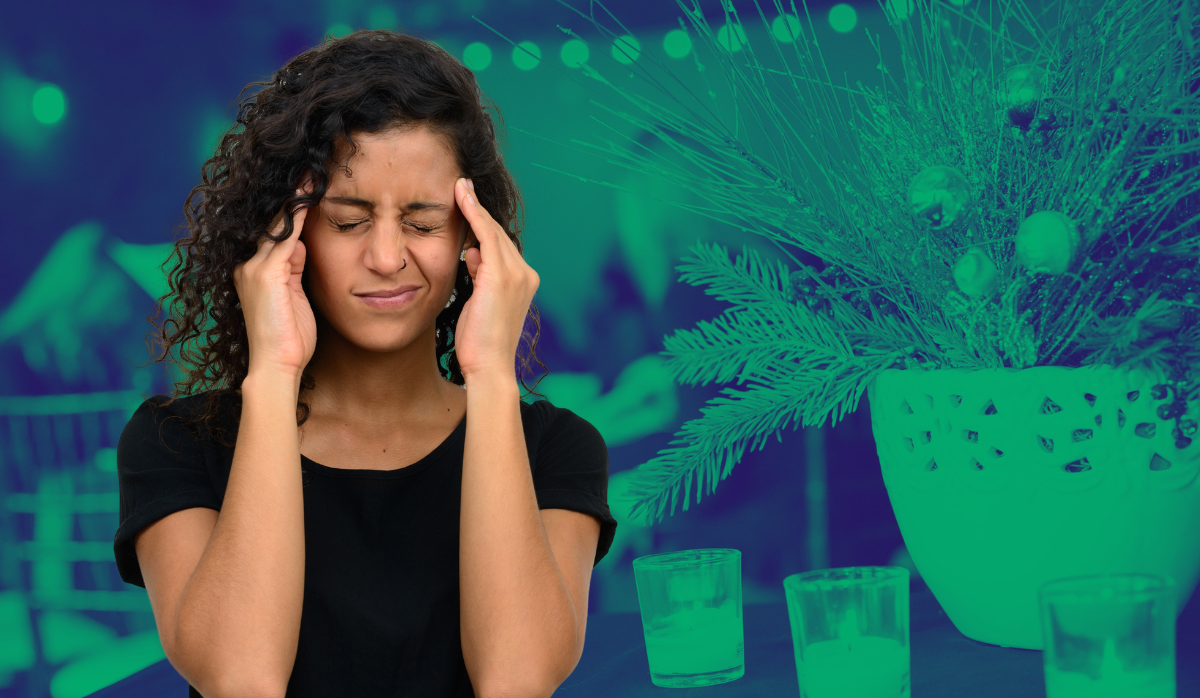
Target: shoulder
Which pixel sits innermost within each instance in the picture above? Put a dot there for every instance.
(556, 434)
(186, 408)
(552, 420)
(570, 468)
(171, 421)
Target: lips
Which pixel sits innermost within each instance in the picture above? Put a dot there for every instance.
(402, 299)
(390, 293)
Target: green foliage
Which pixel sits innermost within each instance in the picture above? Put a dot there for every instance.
(1109, 139)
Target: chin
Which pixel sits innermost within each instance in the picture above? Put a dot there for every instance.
(383, 342)
(379, 336)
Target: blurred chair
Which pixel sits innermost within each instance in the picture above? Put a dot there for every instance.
(78, 627)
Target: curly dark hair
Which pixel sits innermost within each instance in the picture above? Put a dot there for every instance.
(366, 82)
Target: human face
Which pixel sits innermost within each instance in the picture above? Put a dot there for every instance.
(388, 220)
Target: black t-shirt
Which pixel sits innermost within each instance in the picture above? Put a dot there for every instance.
(381, 594)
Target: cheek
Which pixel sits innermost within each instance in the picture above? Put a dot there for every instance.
(326, 269)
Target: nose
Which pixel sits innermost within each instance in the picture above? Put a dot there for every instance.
(387, 249)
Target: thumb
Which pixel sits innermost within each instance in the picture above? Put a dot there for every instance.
(296, 262)
(462, 317)
(473, 259)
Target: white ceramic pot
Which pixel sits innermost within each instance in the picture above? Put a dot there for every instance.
(1004, 479)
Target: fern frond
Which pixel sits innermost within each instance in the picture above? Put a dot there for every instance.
(746, 280)
(709, 447)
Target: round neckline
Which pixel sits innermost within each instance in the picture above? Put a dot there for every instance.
(405, 471)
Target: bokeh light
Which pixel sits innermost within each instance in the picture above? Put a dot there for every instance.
(521, 55)
(477, 55)
(339, 29)
(677, 43)
(901, 9)
(382, 17)
(785, 28)
(427, 14)
(626, 49)
(17, 123)
(731, 41)
(843, 18)
(574, 53)
(49, 104)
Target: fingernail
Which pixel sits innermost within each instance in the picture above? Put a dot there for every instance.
(471, 185)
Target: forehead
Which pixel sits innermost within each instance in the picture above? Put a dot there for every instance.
(409, 154)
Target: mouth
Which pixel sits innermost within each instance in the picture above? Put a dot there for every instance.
(388, 293)
(392, 298)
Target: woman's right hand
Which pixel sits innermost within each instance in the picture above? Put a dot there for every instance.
(280, 327)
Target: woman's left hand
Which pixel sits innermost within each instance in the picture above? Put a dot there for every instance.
(489, 327)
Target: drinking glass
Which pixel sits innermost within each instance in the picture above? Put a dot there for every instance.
(1109, 635)
(691, 603)
(850, 631)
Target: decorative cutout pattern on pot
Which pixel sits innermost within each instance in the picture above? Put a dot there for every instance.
(1062, 429)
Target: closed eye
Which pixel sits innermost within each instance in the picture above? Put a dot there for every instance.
(351, 226)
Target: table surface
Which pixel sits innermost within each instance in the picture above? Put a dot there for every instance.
(945, 663)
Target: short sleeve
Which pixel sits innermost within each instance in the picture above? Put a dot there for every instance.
(571, 469)
(160, 470)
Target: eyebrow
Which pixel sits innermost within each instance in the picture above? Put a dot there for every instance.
(363, 203)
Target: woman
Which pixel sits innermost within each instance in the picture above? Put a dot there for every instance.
(349, 497)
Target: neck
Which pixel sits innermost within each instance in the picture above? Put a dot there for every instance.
(377, 389)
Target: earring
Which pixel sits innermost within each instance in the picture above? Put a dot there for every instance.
(462, 256)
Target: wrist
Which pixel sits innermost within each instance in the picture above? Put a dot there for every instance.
(488, 379)
(272, 381)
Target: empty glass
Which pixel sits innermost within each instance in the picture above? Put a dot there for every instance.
(850, 632)
(691, 603)
(1109, 635)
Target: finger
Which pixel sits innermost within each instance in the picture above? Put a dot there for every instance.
(505, 240)
(274, 228)
(473, 259)
(265, 243)
(288, 244)
(463, 199)
(481, 222)
(487, 231)
(296, 263)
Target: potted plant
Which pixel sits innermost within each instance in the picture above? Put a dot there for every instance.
(997, 243)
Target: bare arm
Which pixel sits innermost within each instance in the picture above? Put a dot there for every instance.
(521, 629)
(238, 621)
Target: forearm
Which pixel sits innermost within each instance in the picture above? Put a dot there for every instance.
(517, 617)
(238, 621)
